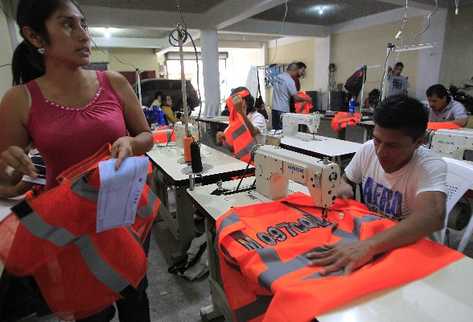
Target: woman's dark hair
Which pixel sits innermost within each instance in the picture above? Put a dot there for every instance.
(164, 98)
(159, 95)
(400, 112)
(399, 64)
(27, 62)
(250, 101)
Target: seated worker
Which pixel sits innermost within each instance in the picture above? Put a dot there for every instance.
(444, 108)
(166, 106)
(400, 179)
(254, 121)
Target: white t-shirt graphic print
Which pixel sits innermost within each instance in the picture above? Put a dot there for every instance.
(393, 194)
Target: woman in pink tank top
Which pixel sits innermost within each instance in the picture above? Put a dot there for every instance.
(67, 112)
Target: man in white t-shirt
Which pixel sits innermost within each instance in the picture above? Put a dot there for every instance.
(400, 180)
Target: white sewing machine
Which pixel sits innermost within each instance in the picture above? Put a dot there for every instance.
(456, 144)
(291, 122)
(276, 166)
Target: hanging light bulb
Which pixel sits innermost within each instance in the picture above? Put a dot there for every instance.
(457, 4)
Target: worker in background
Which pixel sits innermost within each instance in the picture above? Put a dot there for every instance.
(443, 108)
(396, 83)
(166, 107)
(67, 111)
(284, 88)
(297, 81)
(400, 179)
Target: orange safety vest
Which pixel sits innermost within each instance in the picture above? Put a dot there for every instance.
(162, 135)
(237, 136)
(53, 238)
(343, 119)
(265, 273)
(303, 107)
(442, 126)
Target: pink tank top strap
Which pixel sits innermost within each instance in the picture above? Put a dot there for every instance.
(107, 86)
(35, 92)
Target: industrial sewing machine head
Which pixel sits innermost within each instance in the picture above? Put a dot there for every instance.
(291, 122)
(276, 166)
(456, 144)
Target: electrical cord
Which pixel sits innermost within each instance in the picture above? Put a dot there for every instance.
(5, 65)
(181, 33)
(385, 67)
(399, 36)
(429, 21)
(283, 22)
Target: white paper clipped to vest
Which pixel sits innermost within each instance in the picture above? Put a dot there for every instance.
(120, 192)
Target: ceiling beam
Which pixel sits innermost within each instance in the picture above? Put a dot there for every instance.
(412, 4)
(230, 12)
(382, 18)
(266, 27)
(126, 42)
(131, 18)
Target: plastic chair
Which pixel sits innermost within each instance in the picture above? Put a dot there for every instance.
(459, 174)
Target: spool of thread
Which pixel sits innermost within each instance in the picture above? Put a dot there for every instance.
(187, 148)
(196, 161)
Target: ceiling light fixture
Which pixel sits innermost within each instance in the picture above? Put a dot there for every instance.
(107, 33)
(320, 9)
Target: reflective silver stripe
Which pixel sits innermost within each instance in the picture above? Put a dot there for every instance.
(41, 229)
(277, 268)
(246, 150)
(85, 190)
(362, 220)
(239, 131)
(254, 309)
(345, 235)
(98, 267)
(132, 233)
(229, 220)
(147, 210)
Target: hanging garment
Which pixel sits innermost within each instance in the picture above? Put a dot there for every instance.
(303, 107)
(343, 119)
(237, 136)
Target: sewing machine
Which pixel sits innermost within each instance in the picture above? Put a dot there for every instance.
(276, 166)
(291, 122)
(456, 144)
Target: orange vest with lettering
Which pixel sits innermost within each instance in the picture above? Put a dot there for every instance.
(267, 277)
(343, 119)
(53, 238)
(237, 135)
(303, 107)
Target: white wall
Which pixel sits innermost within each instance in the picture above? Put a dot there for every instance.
(457, 61)
(5, 55)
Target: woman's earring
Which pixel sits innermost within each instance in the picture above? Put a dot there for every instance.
(41, 51)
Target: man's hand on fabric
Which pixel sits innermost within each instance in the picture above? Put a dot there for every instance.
(342, 256)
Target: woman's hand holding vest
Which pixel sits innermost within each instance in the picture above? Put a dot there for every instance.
(16, 161)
